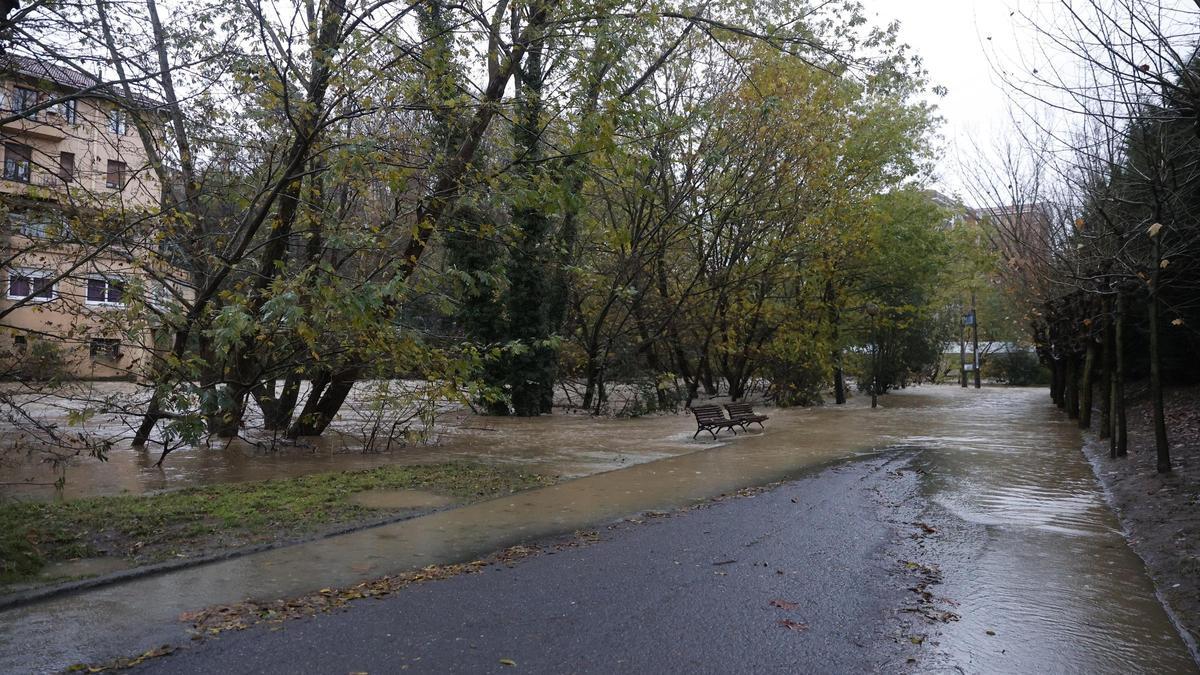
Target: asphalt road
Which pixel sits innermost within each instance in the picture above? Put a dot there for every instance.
(688, 593)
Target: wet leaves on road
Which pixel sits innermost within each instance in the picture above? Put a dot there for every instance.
(793, 625)
(122, 664)
(215, 620)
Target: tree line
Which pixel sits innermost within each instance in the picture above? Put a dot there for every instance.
(1104, 256)
(511, 200)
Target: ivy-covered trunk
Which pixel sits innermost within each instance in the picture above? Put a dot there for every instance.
(532, 369)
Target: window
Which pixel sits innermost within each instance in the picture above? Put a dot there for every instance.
(105, 349)
(66, 166)
(116, 174)
(104, 291)
(117, 122)
(23, 99)
(34, 228)
(17, 161)
(35, 284)
(69, 111)
(37, 225)
(20, 344)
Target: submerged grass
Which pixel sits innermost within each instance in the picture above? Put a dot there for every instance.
(192, 521)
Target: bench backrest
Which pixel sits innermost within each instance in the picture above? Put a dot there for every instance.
(739, 408)
(708, 413)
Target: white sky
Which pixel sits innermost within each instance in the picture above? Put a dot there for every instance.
(951, 37)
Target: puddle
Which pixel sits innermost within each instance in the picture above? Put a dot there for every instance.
(399, 499)
(1033, 557)
(84, 567)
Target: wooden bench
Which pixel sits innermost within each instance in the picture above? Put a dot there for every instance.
(710, 418)
(743, 414)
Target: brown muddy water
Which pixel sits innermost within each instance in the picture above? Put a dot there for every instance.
(562, 445)
(1028, 548)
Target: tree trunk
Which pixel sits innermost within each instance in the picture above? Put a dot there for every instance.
(592, 370)
(1120, 439)
(737, 388)
(1071, 382)
(1089, 375)
(706, 377)
(839, 376)
(976, 366)
(962, 355)
(318, 385)
(278, 410)
(320, 410)
(1161, 446)
(1106, 376)
(1056, 382)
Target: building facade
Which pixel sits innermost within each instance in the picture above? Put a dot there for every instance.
(83, 277)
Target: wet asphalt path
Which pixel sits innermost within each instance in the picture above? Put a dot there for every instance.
(660, 596)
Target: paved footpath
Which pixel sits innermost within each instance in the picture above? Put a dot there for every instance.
(661, 596)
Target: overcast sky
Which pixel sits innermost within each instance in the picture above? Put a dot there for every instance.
(951, 37)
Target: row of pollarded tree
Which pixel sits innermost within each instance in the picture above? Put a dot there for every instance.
(1110, 274)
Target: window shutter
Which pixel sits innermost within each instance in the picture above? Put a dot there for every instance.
(66, 166)
(95, 290)
(18, 285)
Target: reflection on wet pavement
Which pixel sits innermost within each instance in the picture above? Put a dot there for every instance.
(1030, 551)
(1035, 557)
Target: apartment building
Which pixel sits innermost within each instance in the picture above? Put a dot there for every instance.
(82, 274)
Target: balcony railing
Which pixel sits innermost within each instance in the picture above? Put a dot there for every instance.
(50, 180)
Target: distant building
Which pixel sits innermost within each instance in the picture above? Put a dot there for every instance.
(77, 196)
(1022, 233)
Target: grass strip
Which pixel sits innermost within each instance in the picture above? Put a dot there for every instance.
(188, 522)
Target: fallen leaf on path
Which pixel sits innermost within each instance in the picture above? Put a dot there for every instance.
(784, 604)
(793, 625)
(725, 562)
(507, 662)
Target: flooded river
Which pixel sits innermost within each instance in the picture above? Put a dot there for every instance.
(569, 446)
(1028, 549)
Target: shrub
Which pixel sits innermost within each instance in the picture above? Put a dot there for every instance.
(1020, 369)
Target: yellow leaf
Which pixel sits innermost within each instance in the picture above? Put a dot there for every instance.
(507, 662)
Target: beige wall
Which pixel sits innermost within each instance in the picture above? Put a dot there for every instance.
(92, 142)
(69, 321)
